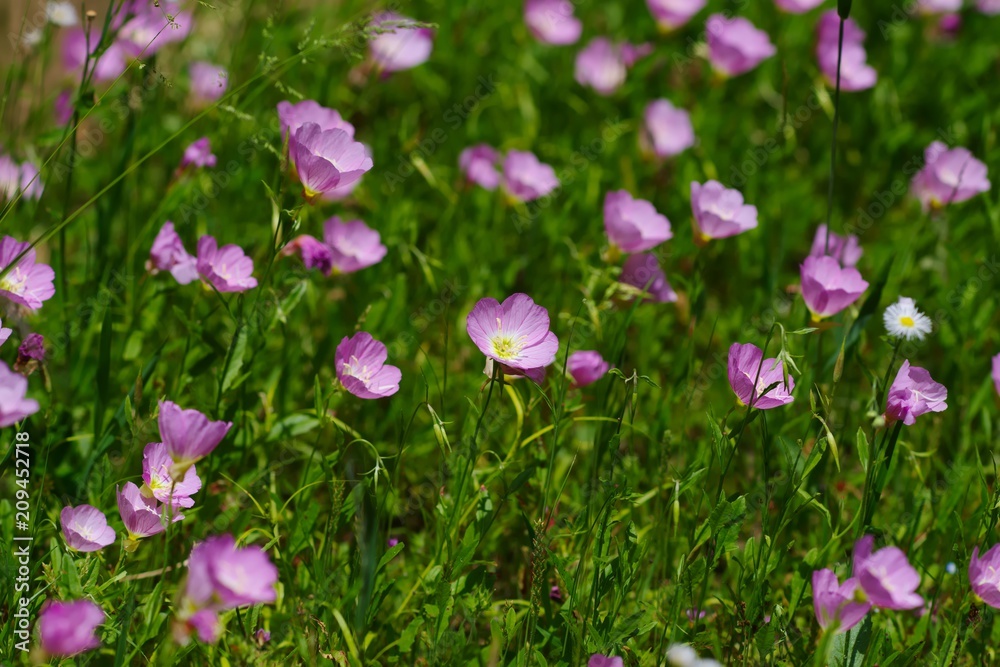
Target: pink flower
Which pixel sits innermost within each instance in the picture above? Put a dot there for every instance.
(14, 406)
(168, 254)
(10, 178)
(666, 130)
(31, 182)
(223, 576)
(633, 224)
(984, 575)
(988, 6)
(552, 21)
(188, 435)
(735, 46)
(939, 6)
(401, 44)
(27, 283)
(598, 660)
(326, 159)
(672, 14)
(750, 375)
(836, 603)
(479, 164)
(846, 250)
(525, 178)
(996, 371)
(198, 154)
(208, 81)
(63, 108)
(206, 625)
(153, 26)
(85, 528)
(142, 516)
(887, 578)
(914, 393)
(515, 333)
(720, 212)
(361, 367)
(602, 64)
(586, 367)
(294, 116)
(828, 288)
(643, 272)
(228, 269)
(354, 245)
(69, 628)
(949, 176)
(5, 333)
(156, 465)
(798, 6)
(32, 348)
(107, 67)
(855, 73)
(315, 254)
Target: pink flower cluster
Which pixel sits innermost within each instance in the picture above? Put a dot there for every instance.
(525, 178)
(227, 269)
(346, 247)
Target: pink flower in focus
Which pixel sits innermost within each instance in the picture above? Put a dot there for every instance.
(401, 45)
(633, 224)
(602, 64)
(27, 283)
(198, 154)
(836, 603)
(156, 465)
(69, 628)
(643, 272)
(294, 116)
(85, 528)
(750, 376)
(142, 516)
(361, 367)
(887, 578)
(719, 212)
(914, 393)
(354, 245)
(14, 404)
(479, 164)
(735, 45)
(846, 250)
(586, 367)
(984, 575)
(188, 435)
(828, 288)
(552, 21)
(672, 14)
(168, 254)
(326, 159)
(666, 130)
(949, 176)
(228, 269)
(515, 333)
(208, 81)
(526, 178)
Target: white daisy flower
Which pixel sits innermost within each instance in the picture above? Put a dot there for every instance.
(903, 320)
(62, 14)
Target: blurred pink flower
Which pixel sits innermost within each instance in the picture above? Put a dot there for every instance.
(294, 116)
(988, 6)
(666, 130)
(156, 465)
(836, 603)
(27, 283)
(643, 272)
(85, 528)
(188, 435)
(735, 45)
(515, 333)
(31, 182)
(479, 164)
(984, 575)
(401, 45)
(14, 404)
(996, 372)
(228, 269)
(314, 253)
(326, 159)
(152, 26)
(828, 288)
(938, 6)
(586, 367)
(198, 154)
(602, 64)
(552, 21)
(672, 14)
(526, 178)
(914, 393)
(168, 254)
(354, 245)
(845, 249)
(63, 108)
(798, 6)
(949, 176)
(69, 628)
(750, 375)
(719, 212)
(5, 333)
(855, 73)
(107, 67)
(208, 81)
(598, 660)
(633, 224)
(887, 578)
(361, 367)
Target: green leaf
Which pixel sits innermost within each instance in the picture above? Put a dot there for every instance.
(863, 448)
(234, 359)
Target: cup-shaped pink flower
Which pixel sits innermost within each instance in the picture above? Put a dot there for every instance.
(886, 577)
(142, 515)
(85, 528)
(735, 45)
(667, 130)
(168, 254)
(798, 6)
(515, 333)
(914, 393)
(949, 176)
(996, 372)
(27, 283)
(315, 254)
(719, 212)
(552, 21)
(835, 603)
(326, 159)
(526, 178)
(479, 164)
(69, 628)
(603, 64)
(354, 245)
(294, 116)
(984, 575)
(223, 576)
(600, 660)
(156, 465)
(750, 376)
(198, 154)
(827, 287)
(672, 14)
(208, 81)
(228, 269)
(401, 45)
(586, 367)
(361, 367)
(845, 249)
(643, 272)
(14, 404)
(188, 435)
(633, 224)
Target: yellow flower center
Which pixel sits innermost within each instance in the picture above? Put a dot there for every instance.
(504, 346)
(906, 321)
